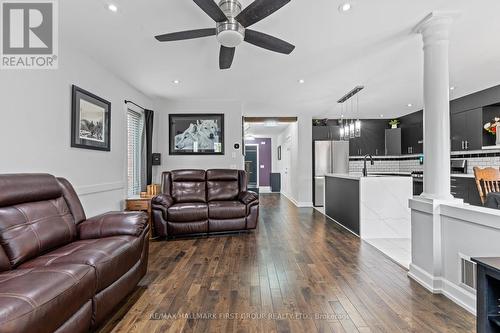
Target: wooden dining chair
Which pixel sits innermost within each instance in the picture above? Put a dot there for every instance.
(487, 181)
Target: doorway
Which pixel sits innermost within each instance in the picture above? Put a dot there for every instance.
(251, 165)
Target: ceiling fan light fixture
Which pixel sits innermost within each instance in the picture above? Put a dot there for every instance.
(230, 38)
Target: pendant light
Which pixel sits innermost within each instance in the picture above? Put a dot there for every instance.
(342, 133)
(351, 124)
(347, 134)
(357, 124)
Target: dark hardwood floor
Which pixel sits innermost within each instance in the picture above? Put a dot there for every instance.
(299, 272)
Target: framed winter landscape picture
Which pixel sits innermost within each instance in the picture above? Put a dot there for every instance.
(90, 121)
(196, 134)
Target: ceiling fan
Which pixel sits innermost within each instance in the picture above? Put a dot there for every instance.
(232, 27)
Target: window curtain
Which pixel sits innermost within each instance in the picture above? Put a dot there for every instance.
(147, 150)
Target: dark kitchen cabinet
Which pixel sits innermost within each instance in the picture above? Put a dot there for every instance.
(393, 142)
(412, 133)
(372, 140)
(412, 139)
(466, 189)
(467, 130)
(326, 133)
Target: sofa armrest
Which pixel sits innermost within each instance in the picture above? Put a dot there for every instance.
(248, 197)
(113, 224)
(163, 200)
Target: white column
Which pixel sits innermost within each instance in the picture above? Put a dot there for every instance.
(435, 29)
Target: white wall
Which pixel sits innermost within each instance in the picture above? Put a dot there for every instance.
(298, 138)
(439, 240)
(232, 159)
(36, 127)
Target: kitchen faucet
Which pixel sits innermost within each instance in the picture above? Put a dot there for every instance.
(365, 170)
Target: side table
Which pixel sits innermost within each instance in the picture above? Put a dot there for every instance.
(144, 205)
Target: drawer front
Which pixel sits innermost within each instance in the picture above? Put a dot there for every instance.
(137, 205)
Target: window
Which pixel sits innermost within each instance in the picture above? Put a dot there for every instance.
(135, 125)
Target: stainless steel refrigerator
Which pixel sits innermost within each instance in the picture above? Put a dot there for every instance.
(329, 157)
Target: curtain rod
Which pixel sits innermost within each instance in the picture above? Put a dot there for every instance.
(127, 102)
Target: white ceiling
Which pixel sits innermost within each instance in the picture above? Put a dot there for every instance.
(372, 45)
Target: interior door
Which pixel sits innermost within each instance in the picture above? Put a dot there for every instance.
(286, 167)
(251, 161)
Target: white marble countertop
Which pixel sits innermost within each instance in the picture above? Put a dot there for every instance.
(353, 176)
(358, 175)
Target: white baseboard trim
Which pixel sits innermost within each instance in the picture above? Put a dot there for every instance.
(99, 188)
(297, 203)
(426, 280)
(460, 296)
(439, 285)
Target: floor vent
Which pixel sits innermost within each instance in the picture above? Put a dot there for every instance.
(468, 272)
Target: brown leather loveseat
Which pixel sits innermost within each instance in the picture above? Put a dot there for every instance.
(59, 271)
(202, 202)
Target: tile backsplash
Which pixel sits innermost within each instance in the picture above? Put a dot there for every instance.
(409, 163)
(387, 165)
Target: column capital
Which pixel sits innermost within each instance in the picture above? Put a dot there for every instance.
(435, 27)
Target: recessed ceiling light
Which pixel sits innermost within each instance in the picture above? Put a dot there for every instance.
(381, 116)
(452, 88)
(113, 8)
(342, 116)
(410, 105)
(302, 81)
(176, 81)
(345, 7)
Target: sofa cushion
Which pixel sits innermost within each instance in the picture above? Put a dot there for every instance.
(111, 257)
(42, 299)
(188, 212)
(188, 186)
(22, 188)
(221, 210)
(4, 260)
(29, 229)
(222, 185)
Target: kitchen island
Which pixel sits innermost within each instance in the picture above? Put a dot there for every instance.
(375, 208)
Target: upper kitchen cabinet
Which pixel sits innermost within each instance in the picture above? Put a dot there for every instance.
(412, 133)
(393, 142)
(372, 140)
(467, 130)
(328, 132)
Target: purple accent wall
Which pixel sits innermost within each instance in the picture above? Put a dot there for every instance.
(265, 159)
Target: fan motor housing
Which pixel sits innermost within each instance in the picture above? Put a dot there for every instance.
(230, 33)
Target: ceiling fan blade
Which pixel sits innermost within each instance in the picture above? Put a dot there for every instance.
(226, 57)
(268, 42)
(212, 10)
(258, 10)
(189, 34)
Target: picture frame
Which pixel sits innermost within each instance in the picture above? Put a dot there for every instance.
(90, 121)
(279, 153)
(196, 134)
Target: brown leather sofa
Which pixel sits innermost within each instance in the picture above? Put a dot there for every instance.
(202, 202)
(59, 271)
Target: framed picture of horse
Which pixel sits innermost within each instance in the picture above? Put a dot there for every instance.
(90, 121)
(196, 134)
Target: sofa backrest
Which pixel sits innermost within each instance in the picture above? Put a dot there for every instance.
(186, 186)
(34, 216)
(222, 185)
